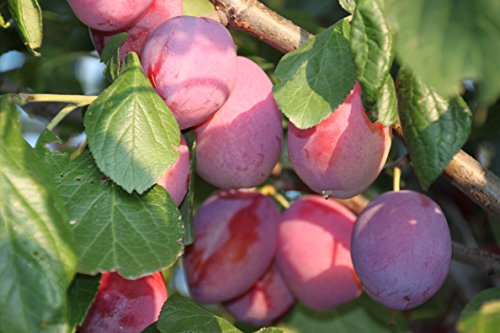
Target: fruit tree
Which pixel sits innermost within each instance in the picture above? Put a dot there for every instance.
(218, 166)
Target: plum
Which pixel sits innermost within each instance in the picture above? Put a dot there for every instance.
(343, 154)
(176, 179)
(239, 146)
(314, 254)
(236, 234)
(108, 15)
(191, 62)
(125, 306)
(158, 12)
(401, 249)
(267, 300)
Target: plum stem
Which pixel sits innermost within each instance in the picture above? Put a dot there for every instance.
(271, 191)
(396, 179)
(81, 100)
(62, 114)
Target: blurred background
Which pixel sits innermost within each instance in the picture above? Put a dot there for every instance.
(70, 65)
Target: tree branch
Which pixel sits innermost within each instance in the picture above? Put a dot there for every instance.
(463, 171)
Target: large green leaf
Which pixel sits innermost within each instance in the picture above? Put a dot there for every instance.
(360, 316)
(482, 314)
(182, 315)
(27, 15)
(371, 46)
(316, 78)
(435, 128)
(447, 41)
(113, 230)
(81, 294)
(386, 109)
(131, 132)
(37, 260)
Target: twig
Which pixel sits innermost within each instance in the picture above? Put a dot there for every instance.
(260, 21)
(465, 173)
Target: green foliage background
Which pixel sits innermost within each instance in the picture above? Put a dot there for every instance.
(438, 45)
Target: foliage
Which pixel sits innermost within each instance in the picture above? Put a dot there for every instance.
(431, 64)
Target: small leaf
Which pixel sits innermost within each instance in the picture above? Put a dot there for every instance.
(131, 132)
(186, 207)
(197, 7)
(348, 5)
(27, 15)
(271, 330)
(386, 109)
(447, 41)
(435, 128)
(81, 294)
(151, 329)
(360, 316)
(371, 46)
(111, 55)
(316, 78)
(482, 314)
(182, 315)
(134, 234)
(37, 260)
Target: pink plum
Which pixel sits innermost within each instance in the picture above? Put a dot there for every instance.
(158, 12)
(176, 179)
(108, 15)
(125, 306)
(267, 300)
(314, 253)
(191, 62)
(236, 233)
(239, 146)
(401, 249)
(342, 155)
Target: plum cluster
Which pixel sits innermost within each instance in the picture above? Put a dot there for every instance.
(248, 256)
(256, 261)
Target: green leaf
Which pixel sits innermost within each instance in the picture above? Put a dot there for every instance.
(386, 109)
(37, 260)
(482, 314)
(197, 7)
(435, 128)
(27, 15)
(131, 132)
(348, 5)
(81, 294)
(111, 56)
(186, 207)
(447, 41)
(134, 234)
(271, 330)
(316, 78)
(151, 329)
(182, 315)
(371, 46)
(360, 316)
